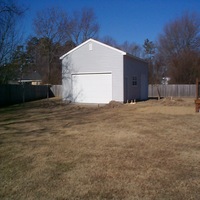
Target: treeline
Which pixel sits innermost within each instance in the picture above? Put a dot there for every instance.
(175, 54)
(54, 33)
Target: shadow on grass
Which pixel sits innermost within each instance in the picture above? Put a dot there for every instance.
(37, 121)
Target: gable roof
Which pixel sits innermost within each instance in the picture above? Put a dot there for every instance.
(95, 41)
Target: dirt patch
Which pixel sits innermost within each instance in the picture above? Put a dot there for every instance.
(114, 104)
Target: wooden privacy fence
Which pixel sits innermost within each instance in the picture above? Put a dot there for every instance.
(56, 90)
(186, 90)
(13, 94)
(179, 90)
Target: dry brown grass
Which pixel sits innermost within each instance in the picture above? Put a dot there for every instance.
(51, 150)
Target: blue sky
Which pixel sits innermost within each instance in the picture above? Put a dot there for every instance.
(124, 20)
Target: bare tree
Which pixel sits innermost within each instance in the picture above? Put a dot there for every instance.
(45, 58)
(82, 26)
(110, 41)
(49, 26)
(149, 51)
(57, 33)
(50, 23)
(132, 48)
(179, 47)
(185, 67)
(9, 37)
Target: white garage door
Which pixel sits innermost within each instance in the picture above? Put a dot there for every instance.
(92, 88)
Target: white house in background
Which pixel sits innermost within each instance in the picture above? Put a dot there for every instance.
(94, 72)
(30, 77)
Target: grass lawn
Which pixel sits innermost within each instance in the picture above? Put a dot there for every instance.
(52, 150)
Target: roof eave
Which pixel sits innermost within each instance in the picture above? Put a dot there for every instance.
(92, 40)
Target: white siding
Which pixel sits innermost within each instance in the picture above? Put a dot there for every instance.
(93, 57)
(134, 67)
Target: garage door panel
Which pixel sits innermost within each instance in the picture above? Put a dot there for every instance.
(92, 88)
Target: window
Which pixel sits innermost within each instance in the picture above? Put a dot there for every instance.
(134, 80)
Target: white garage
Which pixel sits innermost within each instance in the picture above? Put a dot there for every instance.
(94, 72)
(92, 87)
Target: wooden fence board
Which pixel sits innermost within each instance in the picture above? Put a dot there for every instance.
(14, 94)
(56, 90)
(173, 90)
